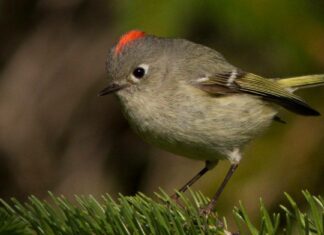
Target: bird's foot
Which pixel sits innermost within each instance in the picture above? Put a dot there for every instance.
(206, 211)
(175, 197)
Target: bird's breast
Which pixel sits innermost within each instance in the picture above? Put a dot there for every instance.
(195, 124)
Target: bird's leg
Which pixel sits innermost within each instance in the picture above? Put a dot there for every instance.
(175, 196)
(209, 165)
(212, 203)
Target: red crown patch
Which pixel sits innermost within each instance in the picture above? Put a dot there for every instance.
(128, 37)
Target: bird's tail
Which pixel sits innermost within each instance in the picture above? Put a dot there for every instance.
(307, 81)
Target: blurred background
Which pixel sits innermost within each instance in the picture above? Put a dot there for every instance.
(57, 135)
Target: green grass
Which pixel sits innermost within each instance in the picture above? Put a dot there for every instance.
(142, 215)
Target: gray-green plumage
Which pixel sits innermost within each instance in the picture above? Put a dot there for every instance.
(192, 102)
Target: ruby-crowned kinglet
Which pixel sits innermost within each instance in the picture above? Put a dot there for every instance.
(186, 98)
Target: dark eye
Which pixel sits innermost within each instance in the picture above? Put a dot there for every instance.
(139, 72)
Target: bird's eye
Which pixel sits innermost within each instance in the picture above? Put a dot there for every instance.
(140, 71)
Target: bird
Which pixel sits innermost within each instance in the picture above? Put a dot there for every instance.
(186, 98)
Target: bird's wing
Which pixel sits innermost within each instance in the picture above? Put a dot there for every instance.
(237, 81)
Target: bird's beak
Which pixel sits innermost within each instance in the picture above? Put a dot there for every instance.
(111, 88)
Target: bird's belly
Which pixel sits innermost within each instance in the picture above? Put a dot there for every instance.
(205, 130)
